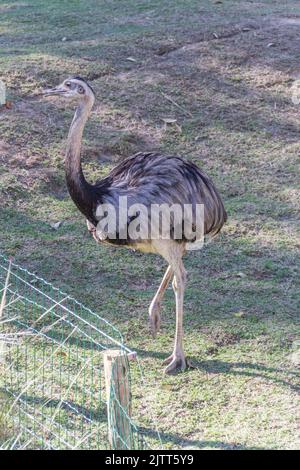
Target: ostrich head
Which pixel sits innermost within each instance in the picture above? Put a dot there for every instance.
(73, 88)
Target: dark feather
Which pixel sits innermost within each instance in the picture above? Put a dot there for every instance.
(152, 178)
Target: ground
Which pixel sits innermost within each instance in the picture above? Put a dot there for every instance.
(231, 67)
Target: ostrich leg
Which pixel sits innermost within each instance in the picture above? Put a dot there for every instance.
(154, 309)
(177, 359)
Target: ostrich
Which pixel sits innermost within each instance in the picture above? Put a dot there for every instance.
(146, 178)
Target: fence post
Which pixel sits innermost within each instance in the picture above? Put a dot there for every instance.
(118, 397)
(2, 307)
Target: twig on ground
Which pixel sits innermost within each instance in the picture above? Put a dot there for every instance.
(167, 97)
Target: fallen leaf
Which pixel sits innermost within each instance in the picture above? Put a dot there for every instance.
(167, 386)
(61, 353)
(131, 59)
(271, 44)
(169, 120)
(55, 225)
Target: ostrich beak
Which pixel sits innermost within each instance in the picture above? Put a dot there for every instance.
(54, 91)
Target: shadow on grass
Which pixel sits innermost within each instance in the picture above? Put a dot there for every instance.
(98, 414)
(195, 443)
(247, 369)
(240, 368)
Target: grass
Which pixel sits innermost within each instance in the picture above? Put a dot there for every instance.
(231, 66)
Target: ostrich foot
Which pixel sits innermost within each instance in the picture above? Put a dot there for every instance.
(154, 318)
(176, 361)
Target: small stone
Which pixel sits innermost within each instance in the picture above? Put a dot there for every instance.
(241, 274)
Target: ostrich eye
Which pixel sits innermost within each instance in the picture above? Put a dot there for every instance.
(81, 89)
(68, 84)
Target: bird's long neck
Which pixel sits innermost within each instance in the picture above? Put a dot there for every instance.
(80, 190)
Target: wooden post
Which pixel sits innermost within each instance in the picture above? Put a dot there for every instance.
(2, 307)
(117, 383)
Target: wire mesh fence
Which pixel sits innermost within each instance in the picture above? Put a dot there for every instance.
(53, 394)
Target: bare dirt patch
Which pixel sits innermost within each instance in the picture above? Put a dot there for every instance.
(223, 338)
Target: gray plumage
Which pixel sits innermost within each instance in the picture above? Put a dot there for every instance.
(153, 178)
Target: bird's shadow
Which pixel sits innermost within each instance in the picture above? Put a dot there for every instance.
(247, 369)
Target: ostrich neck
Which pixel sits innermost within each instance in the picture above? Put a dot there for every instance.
(80, 190)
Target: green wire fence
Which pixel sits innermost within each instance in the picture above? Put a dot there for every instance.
(54, 393)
